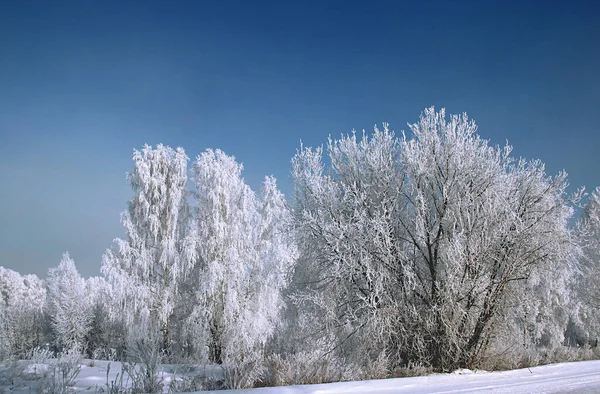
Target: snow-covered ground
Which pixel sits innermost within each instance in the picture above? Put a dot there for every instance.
(92, 379)
(578, 377)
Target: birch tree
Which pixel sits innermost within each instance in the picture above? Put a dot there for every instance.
(245, 255)
(146, 268)
(70, 312)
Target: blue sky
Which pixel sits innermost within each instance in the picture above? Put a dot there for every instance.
(83, 83)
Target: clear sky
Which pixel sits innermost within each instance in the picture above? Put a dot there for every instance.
(83, 83)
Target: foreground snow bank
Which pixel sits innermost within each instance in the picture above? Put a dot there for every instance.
(554, 378)
(577, 377)
(26, 377)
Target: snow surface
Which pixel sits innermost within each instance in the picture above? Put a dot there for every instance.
(577, 377)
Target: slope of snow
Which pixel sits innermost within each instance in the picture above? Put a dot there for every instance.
(555, 378)
(577, 377)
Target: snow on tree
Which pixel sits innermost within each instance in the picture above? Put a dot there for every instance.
(483, 224)
(421, 244)
(98, 292)
(245, 254)
(586, 314)
(22, 300)
(102, 334)
(146, 268)
(68, 306)
(349, 238)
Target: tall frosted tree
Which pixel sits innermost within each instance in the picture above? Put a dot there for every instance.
(146, 267)
(483, 229)
(350, 239)
(245, 255)
(418, 246)
(68, 306)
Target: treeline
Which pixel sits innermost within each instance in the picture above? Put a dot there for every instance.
(430, 249)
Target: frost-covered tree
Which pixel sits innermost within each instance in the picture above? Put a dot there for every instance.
(482, 224)
(104, 333)
(586, 287)
(146, 267)
(68, 305)
(423, 243)
(22, 322)
(350, 239)
(245, 254)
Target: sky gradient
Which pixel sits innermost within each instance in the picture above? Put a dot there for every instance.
(83, 83)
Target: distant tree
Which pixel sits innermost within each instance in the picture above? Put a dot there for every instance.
(101, 335)
(22, 322)
(146, 268)
(68, 305)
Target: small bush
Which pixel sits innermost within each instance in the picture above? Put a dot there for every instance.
(41, 355)
(143, 378)
(117, 386)
(306, 368)
(521, 357)
(411, 370)
(242, 375)
(145, 356)
(62, 373)
(188, 383)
